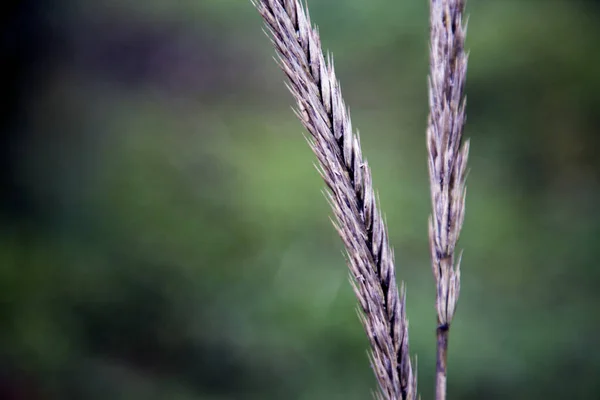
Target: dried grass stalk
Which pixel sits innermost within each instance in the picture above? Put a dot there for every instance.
(447, 163)
(321, 109)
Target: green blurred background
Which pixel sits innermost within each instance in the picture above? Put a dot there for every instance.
(163, 234)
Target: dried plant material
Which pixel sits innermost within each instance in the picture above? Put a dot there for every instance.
(322, 110)
(447, 163)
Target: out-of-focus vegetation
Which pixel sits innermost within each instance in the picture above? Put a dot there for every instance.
(163, 233)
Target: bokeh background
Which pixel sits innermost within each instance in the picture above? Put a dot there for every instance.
(163, 234)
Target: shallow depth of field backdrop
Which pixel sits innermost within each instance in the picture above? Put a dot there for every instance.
(163, 234)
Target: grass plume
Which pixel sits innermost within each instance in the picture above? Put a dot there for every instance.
(447, 164)
(323, 113)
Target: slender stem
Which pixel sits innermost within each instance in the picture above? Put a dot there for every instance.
(442, 355)
(447, 153)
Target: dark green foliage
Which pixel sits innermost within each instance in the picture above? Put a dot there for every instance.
(171, 240)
